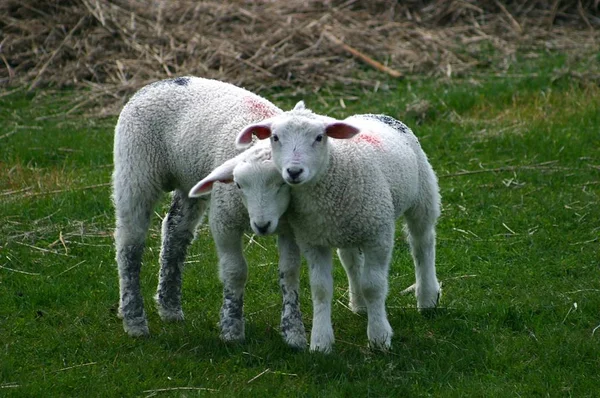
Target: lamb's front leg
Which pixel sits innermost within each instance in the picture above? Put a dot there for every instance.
(292, 327)
(233, 272)
(321, 285)
(353, 260)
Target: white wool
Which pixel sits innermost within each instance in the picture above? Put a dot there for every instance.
(170, 135)
(347, 193)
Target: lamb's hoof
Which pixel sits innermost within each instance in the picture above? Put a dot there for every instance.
(170, 314)
(325, 349)
(427, 306)
(383, 346)
(137, 327)
(294, 334)
(429, 301)
(380, 334)
(322, 342)
(232, 330)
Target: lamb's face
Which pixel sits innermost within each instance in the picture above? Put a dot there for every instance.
(264, 193)
(299, 148)
(299, 142)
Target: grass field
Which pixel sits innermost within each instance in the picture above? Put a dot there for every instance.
(518, 159)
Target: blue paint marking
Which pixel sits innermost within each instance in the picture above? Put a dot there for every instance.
(181, 81)
(390, 121)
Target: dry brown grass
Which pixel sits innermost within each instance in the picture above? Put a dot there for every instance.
(115, 47)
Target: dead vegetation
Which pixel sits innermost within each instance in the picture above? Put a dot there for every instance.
(113, 47)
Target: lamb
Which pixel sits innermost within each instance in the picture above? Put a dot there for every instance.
(350, 181)
(169, 135)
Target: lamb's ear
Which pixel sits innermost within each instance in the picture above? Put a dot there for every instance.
(223, 173)
(299, 106)
(261, 130)
(341, 130)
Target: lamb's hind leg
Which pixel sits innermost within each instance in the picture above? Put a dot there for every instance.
(421, 237)
(292, 327)
(353, 260)
(374, 287)
(133, 207)
(178, 230)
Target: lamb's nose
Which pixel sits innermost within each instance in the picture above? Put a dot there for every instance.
(294, 172)
(262, 229)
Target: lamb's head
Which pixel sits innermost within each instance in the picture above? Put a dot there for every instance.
(299, 142)
(263, 191)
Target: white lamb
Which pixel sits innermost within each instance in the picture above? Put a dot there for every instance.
(350, 181)
(170, 135)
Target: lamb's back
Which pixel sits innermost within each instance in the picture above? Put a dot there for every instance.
(187, 126)
(371, 180)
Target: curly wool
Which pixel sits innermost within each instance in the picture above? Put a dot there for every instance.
(170, 135)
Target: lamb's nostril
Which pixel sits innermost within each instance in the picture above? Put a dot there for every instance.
(294, 172)
(262, 228)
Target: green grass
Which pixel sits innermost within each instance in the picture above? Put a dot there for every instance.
(518, 161)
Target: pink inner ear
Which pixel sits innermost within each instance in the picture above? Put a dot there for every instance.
(341, 131)
(200, 189)
(260, 131)
(245, 137)
(207, 186)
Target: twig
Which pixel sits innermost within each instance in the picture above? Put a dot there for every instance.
(461, 277)
(9, 385)
(69, 269)
(583, 290)
(264, 309)
(20, 272)
(501, 169)
(181, 389)
(553, 14)
(584, 242)
(10, 92)
(510, 17)
(509, 230)
(8, 134)
(42, 249)
(62, 240)
(409, 289)
(382, 350)
(106, 184)
(347, 307)
(76, 366)
(573, 308)
(363, 57)
(251, 241)
(267, 370)
(54, 53)
(11, 72)
(252, 355)
(5, 193)
(284, 374)
(582, 15)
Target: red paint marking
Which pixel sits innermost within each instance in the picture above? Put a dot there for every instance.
(368, 138)
(260, 108)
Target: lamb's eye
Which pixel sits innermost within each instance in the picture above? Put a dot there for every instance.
(319, 138)
(275, 138)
